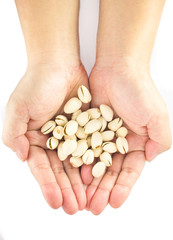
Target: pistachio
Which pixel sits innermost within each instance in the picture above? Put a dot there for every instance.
(94, 113)
(89, 141)
(103, 123)
(97, 151)
(72, 105)
(82, 118)
(106, 158)
(106, 112)
(58, 132)
(115, 124)
(48, 127)
(70, 128)
(96, 140)
(81, 133)
(92, 126)
(88, 157)
(76, 162)
(60, 153)
(72, 137)
(107, 135)
(121, 132)
(61, 120)
(52, 143)
(109, 147)
(84, 94)
(75, 114)
(122, 145)
(81, 148)
(99, 169)
(69, 146)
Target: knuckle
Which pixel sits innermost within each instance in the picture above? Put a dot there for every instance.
(57, 169)
(40, 167)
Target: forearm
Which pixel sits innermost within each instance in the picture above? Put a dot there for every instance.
(127, 30)
(50, 30)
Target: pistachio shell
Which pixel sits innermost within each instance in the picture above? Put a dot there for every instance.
(88, 157)
(76, 162)
(81, 148)
(92, 126)
(121, 132)
(106, 112)
(97, 151)
(94, 113)
(99, 169)
(81, 133)
(96, 140)
(103, 123)
(75, 114)
(48, 127)
(52, 143)
(72, 105)
(122, 145)
(106, 158)
(109, 147)
(61, 120)
(60, 153)
(71, 127)
(82, 118)
(115, 124)
(69, 146)
(58, 132)
(107, 135)
(84, 94)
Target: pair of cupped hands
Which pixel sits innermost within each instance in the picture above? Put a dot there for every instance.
(42, 93)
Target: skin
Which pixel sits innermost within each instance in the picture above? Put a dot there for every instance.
(121, 75)
(121, 79)
(53, 75)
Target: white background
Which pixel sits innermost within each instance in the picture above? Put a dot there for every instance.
(24, 214)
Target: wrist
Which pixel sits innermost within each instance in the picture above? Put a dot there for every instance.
(122, 63)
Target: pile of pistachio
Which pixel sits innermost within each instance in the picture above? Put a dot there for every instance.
(86, 135)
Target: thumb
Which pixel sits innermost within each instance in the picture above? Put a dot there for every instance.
(15, 127)
(159, 136)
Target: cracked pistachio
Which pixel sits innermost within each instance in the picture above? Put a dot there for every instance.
(81, 133)
(72, 105)
(94, 113)
(107, 135)
(109, 147)
(48, 127)
(106, 158)
(58, 132)
(99, 169)
(60, 153)
(92, 126)
(69, 146)
(70, 128)
(82, 118)
(76, 162)
(61, 120)
(106, 112)
(88, 157)
(96, 140)
(103, 123)
(97, 151)
(121, 132)
(80, 149)
(122, 145)
(115, 124)
(52, 143)
(84, 94)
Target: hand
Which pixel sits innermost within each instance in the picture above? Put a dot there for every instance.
(40, 95)
(134, 98)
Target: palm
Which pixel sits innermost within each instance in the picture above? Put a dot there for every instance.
(133, 104)
(42, 93)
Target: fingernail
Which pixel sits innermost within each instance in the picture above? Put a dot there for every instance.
(20, 156)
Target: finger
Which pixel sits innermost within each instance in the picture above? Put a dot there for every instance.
(160, 136)
(131, 169)
(136, 142)
(86, 174)
(76, 182)
(15, 126)
(36, 138)
(100, 199)
(40, 167)
(70, 204)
